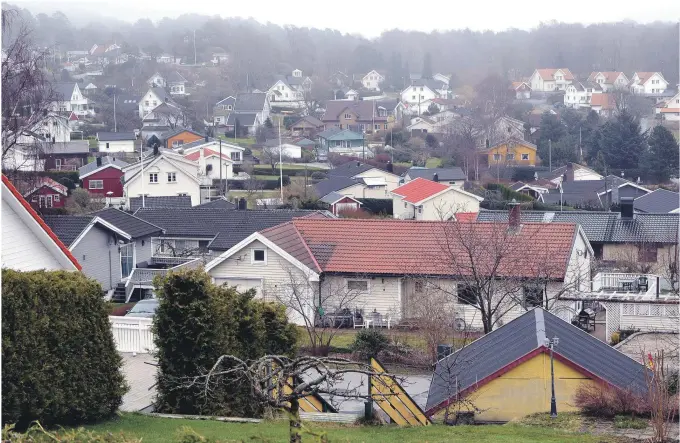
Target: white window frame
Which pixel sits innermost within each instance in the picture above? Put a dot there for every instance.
(153, 177)
(362, 291)
(92, 182)
(525, 156)
(258, 262)
(172, 175)
(236, 156)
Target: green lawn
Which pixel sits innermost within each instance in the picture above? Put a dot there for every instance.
(152, 429)
(238, 141)
(433, 162)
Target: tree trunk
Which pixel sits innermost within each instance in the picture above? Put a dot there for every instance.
(295, 424)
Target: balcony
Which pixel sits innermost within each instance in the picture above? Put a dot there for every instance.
(142, 278)
(627, 284)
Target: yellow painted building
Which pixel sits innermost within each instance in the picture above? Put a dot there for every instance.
(505, 375)
(511, 152)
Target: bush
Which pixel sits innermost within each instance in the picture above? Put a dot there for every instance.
(616, 338)
(377, 205)
(318, 175)
(59, 361)
(369, 343)
(262, 184)
(37, 434)
(196, 323)
(608, 401)
(507, 193)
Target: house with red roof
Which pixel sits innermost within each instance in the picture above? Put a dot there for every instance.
(423, 199)
(648, 83)
(609, 80)
(28, 244)
(550, 79)
(47, 193)
(669, 109)
(210, 162)
(385, 268)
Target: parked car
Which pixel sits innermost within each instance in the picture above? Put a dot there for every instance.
(144, 308)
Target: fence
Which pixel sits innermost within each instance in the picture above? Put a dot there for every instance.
(132, 334)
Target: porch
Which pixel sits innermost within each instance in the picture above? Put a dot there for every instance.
(142, 278)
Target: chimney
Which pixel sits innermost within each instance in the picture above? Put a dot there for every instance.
(435, 177)
(389, 167)
(155, 149)
(514, 217)
(242, 204)
(99, 161)
(626, 204)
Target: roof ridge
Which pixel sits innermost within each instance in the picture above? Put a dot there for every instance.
(307, 248)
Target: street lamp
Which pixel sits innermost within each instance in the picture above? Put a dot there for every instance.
(553, 403)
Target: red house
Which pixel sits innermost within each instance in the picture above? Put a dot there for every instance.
(103, 175)
(47, 193)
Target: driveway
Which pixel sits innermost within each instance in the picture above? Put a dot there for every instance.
(140, 376)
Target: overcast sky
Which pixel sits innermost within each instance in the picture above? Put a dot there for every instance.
(370, 18)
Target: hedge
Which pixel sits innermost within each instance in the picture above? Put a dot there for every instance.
(59, 360)
(508, 194)
(266, 184)
(377, 205)
(267, 170)
(196, 322)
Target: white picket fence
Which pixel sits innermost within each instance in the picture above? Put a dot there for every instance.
(132, 334)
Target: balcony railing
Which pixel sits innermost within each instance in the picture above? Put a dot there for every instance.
(627, 283)
(65, 168)
(143, 277)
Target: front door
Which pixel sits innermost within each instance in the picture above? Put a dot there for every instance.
(126, 260)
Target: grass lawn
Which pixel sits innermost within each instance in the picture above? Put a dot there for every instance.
(152, 430)
(433, 162)
(286, 166)
(238, 141)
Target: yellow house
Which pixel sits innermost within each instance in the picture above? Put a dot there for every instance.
(506, 373)
(512, 151)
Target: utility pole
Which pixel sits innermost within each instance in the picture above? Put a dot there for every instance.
(115, 125)
(141, 157)
(551, 343)
(550, 154)
(221, 186)
(195, 47)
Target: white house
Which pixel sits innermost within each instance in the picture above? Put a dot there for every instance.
(372, 80)
(70, 98)
(579, 95)
(609, 80)
(211, 165)
(670, 109)
(162, 174)
(230, 151)
(522, 90)
(153, 98)
(442, 78)
(550, 79)
(423, 90)
(290, 89)
(156, 81)
(648, 83)
(288, 149)
(423, 199)
(116, 141)
(167, 58)
(28, 244)
(177, 84)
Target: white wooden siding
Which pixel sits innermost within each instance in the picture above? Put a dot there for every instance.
(99, 257)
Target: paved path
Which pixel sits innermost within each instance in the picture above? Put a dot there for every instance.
(140, 377)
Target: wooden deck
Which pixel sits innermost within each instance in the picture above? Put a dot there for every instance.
(141, 377)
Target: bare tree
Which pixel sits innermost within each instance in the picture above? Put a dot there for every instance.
(281, 382)
(275, 154)
(662, 406)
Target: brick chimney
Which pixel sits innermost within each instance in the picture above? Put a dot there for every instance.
(515, 216)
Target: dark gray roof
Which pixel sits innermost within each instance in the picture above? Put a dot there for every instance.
(250, 102)
(526, 334)
(603, 227)
(170, 201)
(430, 83)
(220, 203)
(176, 77)
(349, 169)
(106, 162)
(72, 147)
(332, 184)
(661, 201)
(309, 119)
(332, 198)
(225, 227)
(585, 192)
(67, 227)
(244, 119)
(445, 174)
(162, 94)
(128, 223)
(115, 136)
(64, 91)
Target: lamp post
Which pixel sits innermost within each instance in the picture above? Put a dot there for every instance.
(553, 403)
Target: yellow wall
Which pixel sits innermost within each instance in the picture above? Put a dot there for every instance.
(518, 149)
(525, 390)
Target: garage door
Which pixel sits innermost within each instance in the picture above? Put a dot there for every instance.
(242, 284)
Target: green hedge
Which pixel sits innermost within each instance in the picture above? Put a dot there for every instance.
(509, 194)
(266, 184)
(59, 361)
(197, 322)
(377, 205)
(300, 172)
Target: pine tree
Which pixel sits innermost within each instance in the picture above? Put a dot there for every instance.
(551, 131)
(427, 66)
(622, 142)
(660, 161)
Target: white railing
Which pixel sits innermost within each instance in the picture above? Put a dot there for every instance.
(132, 334)
(143, 277)
(623, 282)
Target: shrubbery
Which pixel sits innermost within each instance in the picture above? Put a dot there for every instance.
(369, 343)
(59, 361)
(609, 401)
(197, 322)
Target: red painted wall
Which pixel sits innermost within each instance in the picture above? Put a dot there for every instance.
(111, 177)
(47, 191)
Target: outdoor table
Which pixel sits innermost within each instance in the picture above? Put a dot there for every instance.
(627, 284)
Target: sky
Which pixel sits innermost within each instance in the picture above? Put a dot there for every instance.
(370, 18)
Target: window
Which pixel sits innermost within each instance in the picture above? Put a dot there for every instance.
(96, 184)
(203, 245)
(413, 97)
(405, 205)
(497, 157)
(146, 102)
(228, 107)
(56, 197)
(420, 209)
(377, 127)
(153, 177)
(385, 126)
(172, 177)
(57, 163)
(647, 253)
(467, 295)
(525, 156)
(533, 296)
(348, 116)
(419, 287)
(510, 156)
(357, 285)
(176, 143)
(155, 103)
(258, 256)
(34, 199)
(236, 156)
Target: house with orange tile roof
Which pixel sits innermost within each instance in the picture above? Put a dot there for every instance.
(522, 90)
(423, 199)
(603, 104)
(210, 162)
(550, 79)
(609, 80)
(648, 83)
(670, 109)
(386, 267)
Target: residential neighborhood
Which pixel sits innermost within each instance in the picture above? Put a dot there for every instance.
(224, 228)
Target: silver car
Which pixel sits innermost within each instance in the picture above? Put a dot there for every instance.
(144, 308)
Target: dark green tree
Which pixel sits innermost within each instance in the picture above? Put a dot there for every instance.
(660, 161)
(432, 109)
(431, 141)
(427, 66)
(622, 141)
(268, 123)
(551, 131)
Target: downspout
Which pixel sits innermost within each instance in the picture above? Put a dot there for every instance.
(110, 270)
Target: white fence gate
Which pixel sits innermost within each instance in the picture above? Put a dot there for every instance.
(132, 334)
